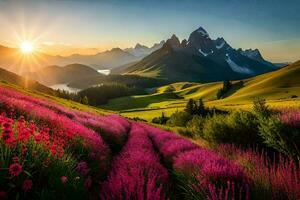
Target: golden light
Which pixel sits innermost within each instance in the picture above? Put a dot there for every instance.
(27, 47)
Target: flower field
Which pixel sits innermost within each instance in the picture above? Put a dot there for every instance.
(52, 152)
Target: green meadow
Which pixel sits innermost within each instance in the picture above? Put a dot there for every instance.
(280, 88)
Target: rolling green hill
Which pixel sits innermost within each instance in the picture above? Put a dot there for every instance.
(42, 94)
(9, 77)
(279, 88)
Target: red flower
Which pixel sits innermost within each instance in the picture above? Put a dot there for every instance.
(15, 169)
(7, 134)
(27, 185)
(63, 179)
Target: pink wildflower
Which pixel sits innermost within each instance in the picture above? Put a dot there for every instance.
(15, 169)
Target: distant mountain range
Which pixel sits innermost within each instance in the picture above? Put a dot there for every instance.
(12, 60)
(200, 59)
(197, 59)
(141, 51)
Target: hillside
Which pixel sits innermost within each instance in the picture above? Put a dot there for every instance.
(63, 75)
(129, 80)
(279, 88)
(9, 77)
(281, 84)
(77, 150)
(200, 59)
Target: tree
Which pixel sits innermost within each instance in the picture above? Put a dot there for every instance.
(201, 108)
(190, 107)
(85, 100)
(160, 120)
(261, 108)
(226, 87)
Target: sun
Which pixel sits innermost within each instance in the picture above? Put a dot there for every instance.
(27, 47)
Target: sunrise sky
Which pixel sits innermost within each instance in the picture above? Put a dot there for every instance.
(88, 26)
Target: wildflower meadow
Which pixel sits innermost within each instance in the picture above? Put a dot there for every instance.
(49, 151)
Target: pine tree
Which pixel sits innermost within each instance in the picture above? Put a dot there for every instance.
(190, 107)
(85, 100)
(201, 108)
(226, 87)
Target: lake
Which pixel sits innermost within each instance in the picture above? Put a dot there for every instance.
(64, 87)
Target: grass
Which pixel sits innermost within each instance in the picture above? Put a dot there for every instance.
(156, 100)
(280, 88)
(63, 102)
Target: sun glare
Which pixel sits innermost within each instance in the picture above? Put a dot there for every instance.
(26, 47)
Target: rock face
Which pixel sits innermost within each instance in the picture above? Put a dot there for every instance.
(141, 51)
(202, 59)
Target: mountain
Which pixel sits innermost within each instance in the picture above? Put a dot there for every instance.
(120, 69)
(141, 51)
(281, 88)
(283, 64)
(200, 59)
(250, 53)
(104, 60)
(9, 77)
(281, 84)
(52, 75)
(12, 60)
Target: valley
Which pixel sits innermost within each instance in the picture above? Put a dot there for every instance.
(280, 88)
(149, 100)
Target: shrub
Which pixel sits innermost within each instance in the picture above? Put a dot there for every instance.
(160, 120)
(277, 135)
(294, 96)
(216, 129)
(184, 132)
(239, 127)
(179, 118)
(260, 108)
(195, 126)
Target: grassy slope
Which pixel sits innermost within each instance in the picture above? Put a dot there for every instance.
(276, 87)
(63, 102)
(7, 76)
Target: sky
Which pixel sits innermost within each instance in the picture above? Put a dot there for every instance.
(88, 26)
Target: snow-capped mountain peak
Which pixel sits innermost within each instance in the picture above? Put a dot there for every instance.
(202, 31)
(251, 53)
(237, 68)
(220, 43)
